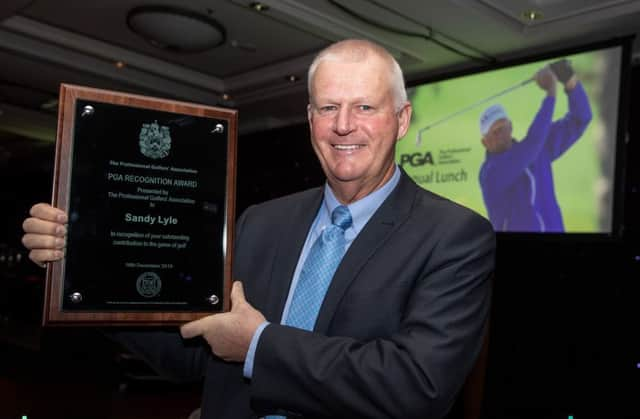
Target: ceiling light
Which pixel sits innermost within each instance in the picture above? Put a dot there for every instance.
(532, 15)
(176, 29)
(259, 7)
(120, 64)
(292, 78)
(49, 104)
(226, 96)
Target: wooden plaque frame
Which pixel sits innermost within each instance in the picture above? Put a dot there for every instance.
(54, 314)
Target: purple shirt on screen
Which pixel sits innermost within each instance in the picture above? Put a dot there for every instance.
(517, 184)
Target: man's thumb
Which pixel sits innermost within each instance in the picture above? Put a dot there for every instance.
(237, 294)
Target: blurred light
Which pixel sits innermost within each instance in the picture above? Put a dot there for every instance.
(532, 15)
(570, 417)
(259, 7)
(226, 96)
(120, 64)
(292, 78)
(49, 104)
(638, 365)
(637, 258)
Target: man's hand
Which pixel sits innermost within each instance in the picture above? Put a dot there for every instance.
(228, 334)
(564, 73)
(562, 70)
(45, 233)
(546, 80)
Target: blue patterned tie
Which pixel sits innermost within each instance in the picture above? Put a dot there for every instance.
(318, 269)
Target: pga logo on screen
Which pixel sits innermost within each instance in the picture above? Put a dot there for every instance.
(416, 159)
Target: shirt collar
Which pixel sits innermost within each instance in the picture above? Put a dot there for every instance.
(363, 209)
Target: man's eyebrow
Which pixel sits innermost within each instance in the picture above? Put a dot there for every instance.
(336, 100)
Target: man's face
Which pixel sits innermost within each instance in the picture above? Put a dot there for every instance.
(499, 137)
(354, 125)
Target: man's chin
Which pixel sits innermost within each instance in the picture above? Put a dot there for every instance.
(345, 172)
(343, 179)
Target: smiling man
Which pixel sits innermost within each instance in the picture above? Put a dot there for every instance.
(357, 112)
(364, 298)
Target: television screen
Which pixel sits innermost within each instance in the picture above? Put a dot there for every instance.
(532, 147)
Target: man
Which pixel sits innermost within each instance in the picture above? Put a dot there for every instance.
(516, 177)
(401, 320)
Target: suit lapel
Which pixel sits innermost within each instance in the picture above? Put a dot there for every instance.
(290, 244)
(391, 214)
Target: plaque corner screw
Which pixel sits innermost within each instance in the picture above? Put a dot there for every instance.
(76, 297)
(88, 110)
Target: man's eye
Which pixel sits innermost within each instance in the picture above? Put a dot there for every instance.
(327, 108)
(365, 107)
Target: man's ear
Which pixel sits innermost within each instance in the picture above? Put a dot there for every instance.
(309, 114)
(404, 119)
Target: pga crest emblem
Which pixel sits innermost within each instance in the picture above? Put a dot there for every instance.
(155, 141)
(148, 284)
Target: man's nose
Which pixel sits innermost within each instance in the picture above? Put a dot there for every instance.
(344, 121)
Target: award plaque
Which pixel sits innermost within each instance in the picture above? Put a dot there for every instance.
(149, 188)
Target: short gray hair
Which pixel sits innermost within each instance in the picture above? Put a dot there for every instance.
(357, 50)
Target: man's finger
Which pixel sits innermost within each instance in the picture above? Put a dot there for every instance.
(48, 212)
(194, 328)
(43, 241)
(39, 226)
(41, 256)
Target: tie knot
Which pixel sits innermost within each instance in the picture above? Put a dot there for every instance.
(341, 217)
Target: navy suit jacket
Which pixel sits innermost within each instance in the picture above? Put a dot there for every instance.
(399, 329)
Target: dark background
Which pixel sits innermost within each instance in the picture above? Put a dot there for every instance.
(563, 342)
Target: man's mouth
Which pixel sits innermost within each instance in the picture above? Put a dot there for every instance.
(347, 147)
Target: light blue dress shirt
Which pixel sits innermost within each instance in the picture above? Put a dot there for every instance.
(361, 212)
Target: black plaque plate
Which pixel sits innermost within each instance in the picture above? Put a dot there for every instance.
(149, 188)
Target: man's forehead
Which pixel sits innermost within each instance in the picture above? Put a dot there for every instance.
(499, 124)
(363, 72)
(352, 91)
(348, 80)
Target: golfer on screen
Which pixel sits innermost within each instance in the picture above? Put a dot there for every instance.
(516, 177)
